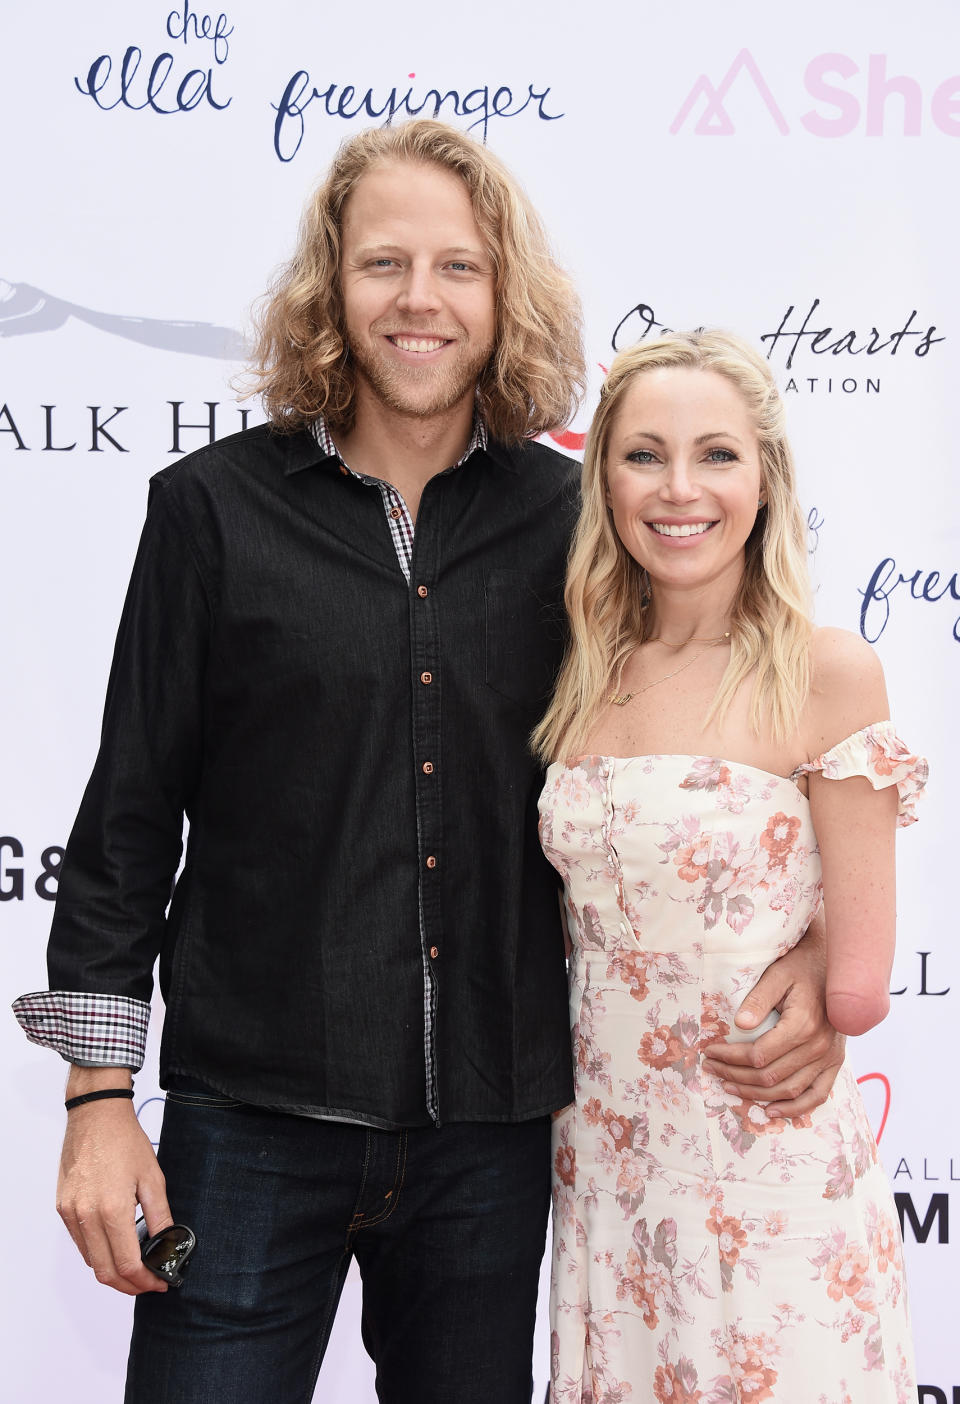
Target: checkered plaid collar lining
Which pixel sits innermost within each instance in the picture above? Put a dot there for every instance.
(321, 432)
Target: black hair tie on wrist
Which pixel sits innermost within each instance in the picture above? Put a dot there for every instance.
(72, 1102)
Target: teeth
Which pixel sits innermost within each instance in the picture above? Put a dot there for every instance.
(407, 343)
(694, 529)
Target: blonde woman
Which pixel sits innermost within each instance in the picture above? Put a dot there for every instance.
(717, 766)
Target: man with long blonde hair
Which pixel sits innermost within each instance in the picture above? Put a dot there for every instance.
(341, 629)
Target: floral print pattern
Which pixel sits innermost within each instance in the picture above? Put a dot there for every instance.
(705, 1253)
(877, 753)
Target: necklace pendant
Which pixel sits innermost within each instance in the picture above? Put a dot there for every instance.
(620, 699)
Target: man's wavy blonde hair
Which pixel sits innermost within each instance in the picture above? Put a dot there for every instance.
(607, 593)
(535, 377)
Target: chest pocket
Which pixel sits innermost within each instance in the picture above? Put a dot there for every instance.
(525, 635)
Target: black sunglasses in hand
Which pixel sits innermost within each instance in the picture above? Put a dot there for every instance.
(167, 1253)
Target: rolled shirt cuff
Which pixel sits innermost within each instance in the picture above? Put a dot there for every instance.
(92, 1030)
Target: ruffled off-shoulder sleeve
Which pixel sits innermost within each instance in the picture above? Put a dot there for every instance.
(878, 754)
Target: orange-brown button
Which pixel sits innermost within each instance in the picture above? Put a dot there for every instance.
(431, 861)
(344, 469)
(395, 513)
(422, 591)
(434, 952)
(427, 767)
(426, 678)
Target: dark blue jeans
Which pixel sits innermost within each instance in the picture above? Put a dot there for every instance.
(447, 1226)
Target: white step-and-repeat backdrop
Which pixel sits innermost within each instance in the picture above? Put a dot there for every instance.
(788, 171)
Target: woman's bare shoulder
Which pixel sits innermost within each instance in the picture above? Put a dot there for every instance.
(847, 688)
(839, 656)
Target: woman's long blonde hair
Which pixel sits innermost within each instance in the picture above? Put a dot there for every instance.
(535, 378)
(607, 592)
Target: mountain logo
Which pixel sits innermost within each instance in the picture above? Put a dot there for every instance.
(714, 120)
(25, 310)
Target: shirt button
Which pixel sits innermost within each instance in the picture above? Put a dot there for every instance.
(395, 513)
(431, 861)
(434, 952)
(427, 767)
(422, 591)
(426, 679)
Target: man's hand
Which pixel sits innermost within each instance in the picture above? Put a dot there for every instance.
(107, 1167)
(792, 1068)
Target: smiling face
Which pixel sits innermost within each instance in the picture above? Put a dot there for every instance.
(418, 289)
(683, 477)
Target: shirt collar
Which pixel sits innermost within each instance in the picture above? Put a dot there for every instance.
(320, 430)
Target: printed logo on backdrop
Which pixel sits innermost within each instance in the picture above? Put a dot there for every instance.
(26, 310)
(800, 335)
(166, 84)
(925, 1216)
(17, 871)
(347, 102)
(924, 1213)
(804, 333)
(890, 580)
(851, 97)
(926, 1219)
(49, 431)
(714, 119)
(161, 85)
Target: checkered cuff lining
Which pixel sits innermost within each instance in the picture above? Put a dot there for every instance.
(94, 1030)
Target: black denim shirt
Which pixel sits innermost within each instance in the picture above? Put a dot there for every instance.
(351, 753)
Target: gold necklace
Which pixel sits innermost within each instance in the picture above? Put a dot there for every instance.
(621, 699)
(683, 643)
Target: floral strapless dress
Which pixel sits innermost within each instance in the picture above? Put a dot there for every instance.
(705, 1253)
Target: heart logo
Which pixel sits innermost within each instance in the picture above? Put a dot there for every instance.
(885, 1084)
(569, 438)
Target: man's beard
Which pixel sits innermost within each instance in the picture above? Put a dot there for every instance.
(421, 392)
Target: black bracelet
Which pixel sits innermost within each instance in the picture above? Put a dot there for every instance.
(72, 1102)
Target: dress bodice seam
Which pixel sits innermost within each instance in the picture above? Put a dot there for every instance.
(682, 756)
